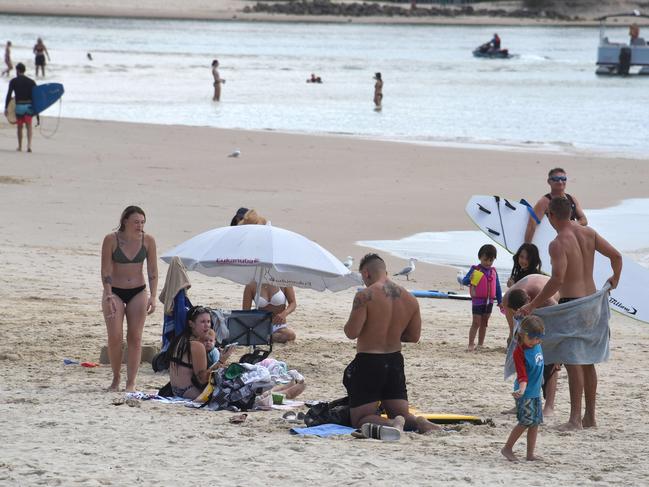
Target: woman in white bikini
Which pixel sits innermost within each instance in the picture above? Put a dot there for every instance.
(122, 261)
(279, 301)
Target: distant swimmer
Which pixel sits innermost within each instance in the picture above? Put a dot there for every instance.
(314, 79)
(217, 81)
(40, 51)
(8, 62)
(89, 56)
(378, 91)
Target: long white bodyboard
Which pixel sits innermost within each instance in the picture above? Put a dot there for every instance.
(504, 221)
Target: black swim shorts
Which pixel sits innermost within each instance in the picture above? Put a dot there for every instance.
(373, 377)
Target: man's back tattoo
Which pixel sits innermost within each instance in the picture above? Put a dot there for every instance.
(362, 298)
(391, 290)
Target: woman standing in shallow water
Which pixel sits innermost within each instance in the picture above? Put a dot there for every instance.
(122, 260)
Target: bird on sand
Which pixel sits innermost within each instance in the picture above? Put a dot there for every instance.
(349, 262)
(409, 269)
(235, 153)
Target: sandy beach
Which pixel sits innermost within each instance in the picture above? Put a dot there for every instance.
(58, 426)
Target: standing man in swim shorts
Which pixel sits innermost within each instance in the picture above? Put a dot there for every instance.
(383, 316)
(557, 179)
(22, 87)
(218, 81)
(573, 255)
(378, 91)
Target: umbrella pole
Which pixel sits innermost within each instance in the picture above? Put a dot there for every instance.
(258, 288)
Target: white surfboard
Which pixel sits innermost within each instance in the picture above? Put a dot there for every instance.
(505, 221)
(11, 111)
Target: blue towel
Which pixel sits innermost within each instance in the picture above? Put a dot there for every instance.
(323, 430)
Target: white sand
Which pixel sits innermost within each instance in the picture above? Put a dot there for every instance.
(57, 427)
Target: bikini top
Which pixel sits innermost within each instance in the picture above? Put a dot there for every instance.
(120, 258)
(278, 299)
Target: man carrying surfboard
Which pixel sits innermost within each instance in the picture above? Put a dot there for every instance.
(383, 316)
(572, 255)
(557, 179)
(21, 86)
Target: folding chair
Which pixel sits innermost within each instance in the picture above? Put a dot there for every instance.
(251, 328)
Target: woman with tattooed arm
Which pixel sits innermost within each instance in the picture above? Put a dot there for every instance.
(122, 260)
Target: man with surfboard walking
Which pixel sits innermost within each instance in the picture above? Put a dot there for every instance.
(557, 179)
(572, 254)
(22, 87)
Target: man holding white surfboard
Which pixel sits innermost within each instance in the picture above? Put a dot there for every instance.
(22, 87)
(572, 254)
(557, 179)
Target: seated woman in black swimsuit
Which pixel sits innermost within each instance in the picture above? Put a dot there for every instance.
(188, 370)
(125, 290)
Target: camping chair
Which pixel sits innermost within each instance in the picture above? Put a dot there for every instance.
(251, 328)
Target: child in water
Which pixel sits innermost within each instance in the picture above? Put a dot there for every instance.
(526, 262)
(484, 287)
(528, 359)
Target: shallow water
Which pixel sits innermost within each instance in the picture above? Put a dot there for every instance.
(158, 71)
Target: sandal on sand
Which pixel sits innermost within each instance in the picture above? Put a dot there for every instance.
(292, 417)
(239, 418)
(380, 432)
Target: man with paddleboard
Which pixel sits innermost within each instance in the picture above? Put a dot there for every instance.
(572, 253)
(557, 180)
(21, 86)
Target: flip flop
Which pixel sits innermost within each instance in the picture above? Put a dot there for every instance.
(381, 432)
(239, 418)
(292, 417)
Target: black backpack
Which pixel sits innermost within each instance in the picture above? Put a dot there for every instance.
(336, 412)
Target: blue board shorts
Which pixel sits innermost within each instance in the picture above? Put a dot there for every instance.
(529, 411)
(24, 113)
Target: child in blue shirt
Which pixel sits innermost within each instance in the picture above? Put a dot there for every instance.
(528, 359)
(484, 286)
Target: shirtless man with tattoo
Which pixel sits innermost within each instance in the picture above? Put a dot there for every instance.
(572, 253)
(383, 316)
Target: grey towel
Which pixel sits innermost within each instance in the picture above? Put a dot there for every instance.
(576, 332)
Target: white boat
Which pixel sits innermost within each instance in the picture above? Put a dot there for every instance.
(617, 58)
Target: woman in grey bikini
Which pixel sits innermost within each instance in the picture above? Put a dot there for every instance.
(122, 261)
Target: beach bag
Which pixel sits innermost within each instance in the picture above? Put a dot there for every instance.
(334, 412)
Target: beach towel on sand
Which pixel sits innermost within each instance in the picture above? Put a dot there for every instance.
(576, 332)
(323, 430)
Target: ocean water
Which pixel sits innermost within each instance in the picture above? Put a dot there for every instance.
(158, 71)
(624, 226)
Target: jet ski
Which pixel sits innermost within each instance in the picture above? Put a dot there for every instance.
(487, 51)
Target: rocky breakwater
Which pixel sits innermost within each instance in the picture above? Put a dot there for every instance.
(364, 9)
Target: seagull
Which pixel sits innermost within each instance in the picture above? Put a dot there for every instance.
(235, 153)
(408, 269)
(349, 262)
(460, 277)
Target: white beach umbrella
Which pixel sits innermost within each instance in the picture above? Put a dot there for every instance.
(263, 253)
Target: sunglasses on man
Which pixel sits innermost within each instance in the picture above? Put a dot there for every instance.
(558, 179)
